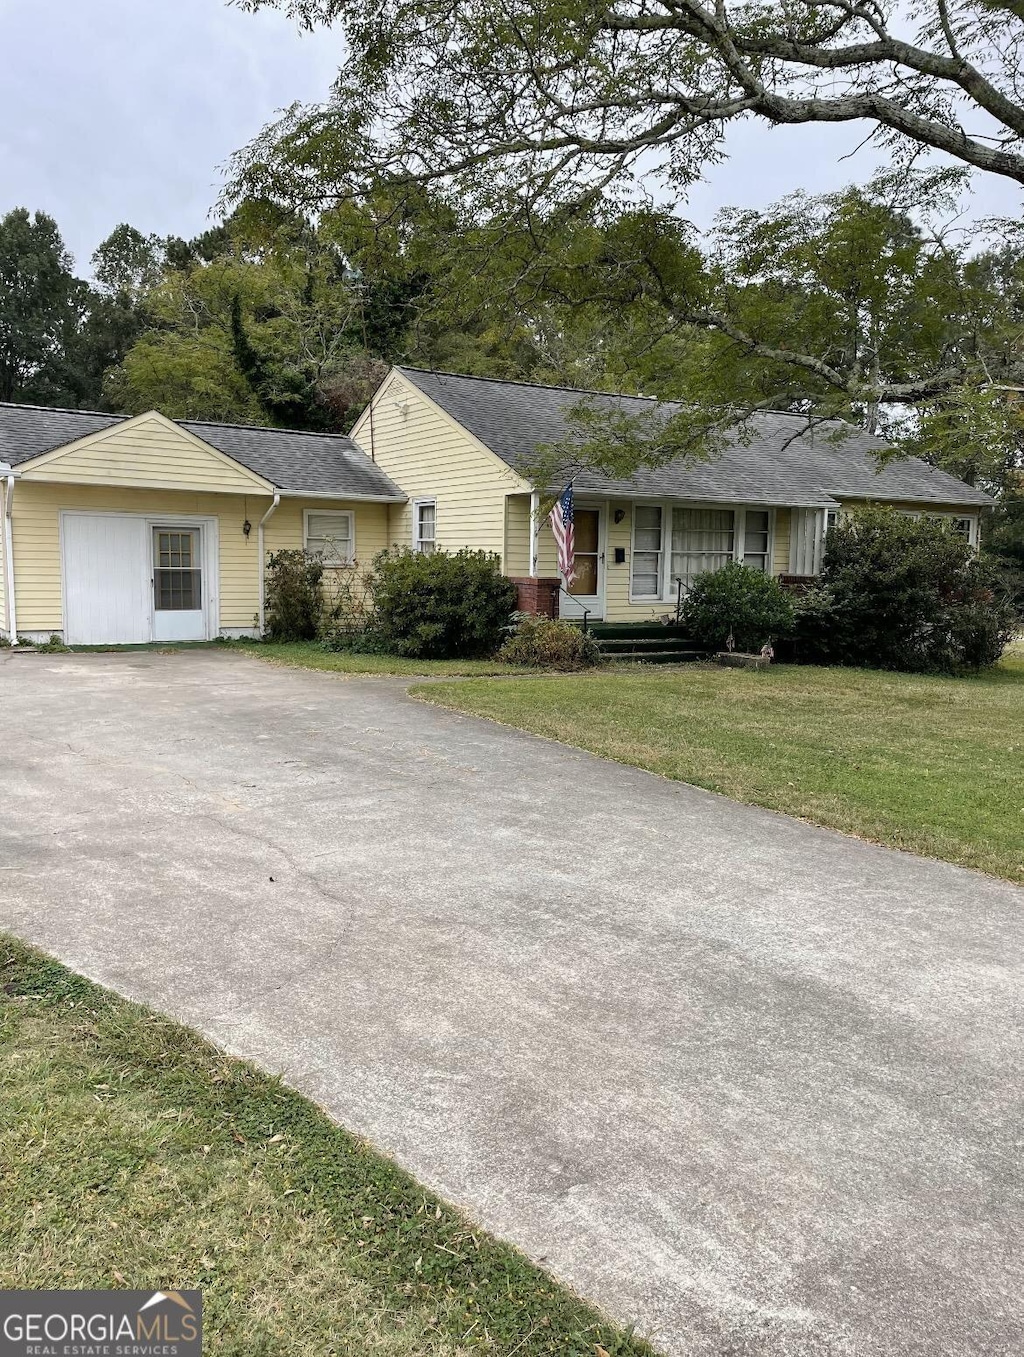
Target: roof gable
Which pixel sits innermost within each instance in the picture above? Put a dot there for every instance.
(148, 450)
(397, 389)
(774, 459)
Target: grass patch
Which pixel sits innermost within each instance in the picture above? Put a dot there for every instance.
(932, 765)
(134, 1154)
(308, 655)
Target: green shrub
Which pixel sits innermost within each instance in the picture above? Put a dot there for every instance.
(544, 643)
(439, 606)
(53, 646)
(904, 594)
(736, 601)
(294, 598)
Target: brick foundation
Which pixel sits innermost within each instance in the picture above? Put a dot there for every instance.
(537, 595)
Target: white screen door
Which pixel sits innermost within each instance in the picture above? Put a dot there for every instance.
(178, 584)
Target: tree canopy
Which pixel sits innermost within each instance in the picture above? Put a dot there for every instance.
(548, 99)
(542, 124)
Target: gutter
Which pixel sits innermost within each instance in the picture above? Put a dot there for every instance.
(261, 563)
(340, 495)
(12, 610)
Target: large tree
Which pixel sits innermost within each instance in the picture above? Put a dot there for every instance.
(42, 304)
(556, 93)
(268, 320)
(532, 116)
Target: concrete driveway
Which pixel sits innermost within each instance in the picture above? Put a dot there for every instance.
(750, 1085)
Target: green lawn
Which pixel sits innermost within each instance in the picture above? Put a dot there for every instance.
(932, 765)
(306, 655)
(134, 1154)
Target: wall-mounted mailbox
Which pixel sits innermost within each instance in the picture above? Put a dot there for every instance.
(620, 555)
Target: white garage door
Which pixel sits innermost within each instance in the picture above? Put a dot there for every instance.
(106, 579)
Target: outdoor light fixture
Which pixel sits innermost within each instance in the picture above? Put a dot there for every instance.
(620, 514)
(247, 527)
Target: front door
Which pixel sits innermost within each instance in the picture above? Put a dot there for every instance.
(178, 586)
(587, 587)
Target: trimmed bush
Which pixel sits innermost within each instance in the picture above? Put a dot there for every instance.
(737, 601)
(294, 596)
(439, 606)
(904, 594)
(544, 643)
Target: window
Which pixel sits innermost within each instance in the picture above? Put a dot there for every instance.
(177, 578)
(424, 526)
(702, 539)
(756, 536)
(961, 524)
(645, 572)
(332, 535)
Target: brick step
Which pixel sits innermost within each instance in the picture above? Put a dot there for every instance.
(634, 631)
(655, 656)
(616, 643)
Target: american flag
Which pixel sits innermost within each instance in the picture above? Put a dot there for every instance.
(561, 518)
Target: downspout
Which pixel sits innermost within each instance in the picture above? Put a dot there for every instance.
(12, 610)
(534, 528)
(261, 566)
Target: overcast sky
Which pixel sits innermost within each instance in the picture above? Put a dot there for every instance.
(127, 110)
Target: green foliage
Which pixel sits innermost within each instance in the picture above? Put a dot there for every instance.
(1004, 532)
(747, 605)
(294, 601)
(58, 335)
(42, 305)
(442, 605)
(904, 594)
(548, 643)
(975, 432)
(268, 320)
(53, 645)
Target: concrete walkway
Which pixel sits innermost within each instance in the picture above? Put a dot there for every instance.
(750, 1085)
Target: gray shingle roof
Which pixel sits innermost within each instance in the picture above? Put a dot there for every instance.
(315, 463)
(307, 463)
(775, 460)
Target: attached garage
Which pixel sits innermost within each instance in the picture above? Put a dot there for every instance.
(122, 531)
(129, 579)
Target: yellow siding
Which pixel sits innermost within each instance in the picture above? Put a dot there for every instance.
(430, 457)
(149, 451)
(517, 535)
(780, 546)
(37, 540)
(4, 625)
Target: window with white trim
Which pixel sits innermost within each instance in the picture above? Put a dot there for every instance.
(331, 533)
(424, 526)
(756, 539)
(702, 539)
(648, 547)
(962, 524)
